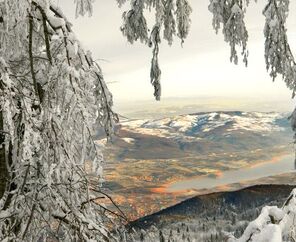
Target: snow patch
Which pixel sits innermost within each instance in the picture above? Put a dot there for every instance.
(129, 140)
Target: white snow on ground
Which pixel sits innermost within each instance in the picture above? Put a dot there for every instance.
(129, 140)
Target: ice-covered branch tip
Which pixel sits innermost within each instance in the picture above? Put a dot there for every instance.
(230, 14)
(172, 18)
(84, 7)
(278, 55)
(155, 72)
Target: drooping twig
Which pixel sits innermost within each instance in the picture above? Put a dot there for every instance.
(112, 201)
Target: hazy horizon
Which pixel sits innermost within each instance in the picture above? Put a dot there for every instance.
(172, 106)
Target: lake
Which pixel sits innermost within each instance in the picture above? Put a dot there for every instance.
(283, 165)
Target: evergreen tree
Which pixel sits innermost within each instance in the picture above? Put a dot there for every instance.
(141, 236)
(161, 237)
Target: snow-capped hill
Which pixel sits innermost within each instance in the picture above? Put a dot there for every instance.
(202, 133)
(201, 123)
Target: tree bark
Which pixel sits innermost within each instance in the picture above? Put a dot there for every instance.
(3, 168)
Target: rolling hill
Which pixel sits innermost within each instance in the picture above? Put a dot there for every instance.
(209, 217)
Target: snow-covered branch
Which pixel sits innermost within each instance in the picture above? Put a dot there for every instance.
(50, 113)
(273, 224)
(172, 18)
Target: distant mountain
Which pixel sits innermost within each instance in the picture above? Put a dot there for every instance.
(202, 133)
(146, 155)
(205, 217)
(197, 123)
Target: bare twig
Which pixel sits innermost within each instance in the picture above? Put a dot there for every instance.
(112, 201)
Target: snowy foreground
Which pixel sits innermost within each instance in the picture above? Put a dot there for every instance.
(273, 224)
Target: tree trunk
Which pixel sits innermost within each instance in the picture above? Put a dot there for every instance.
(3, 167)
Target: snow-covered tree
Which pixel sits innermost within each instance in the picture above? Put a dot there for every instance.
(52, 94)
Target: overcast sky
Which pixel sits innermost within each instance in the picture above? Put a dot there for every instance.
(200, 68)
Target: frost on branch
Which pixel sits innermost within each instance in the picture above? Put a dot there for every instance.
(273, 224)
(51, 95)
(83, 7)
(230, 14)
(183, 18)
(172, 17)
(135, 26)
(278, 55)
(155, 72)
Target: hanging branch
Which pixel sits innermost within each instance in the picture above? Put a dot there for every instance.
(45, 30)
(155, 72)
(114, 203)
(31, 56)
(170, 15)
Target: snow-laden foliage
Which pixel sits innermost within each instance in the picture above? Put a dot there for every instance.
(172, 18)
(278, 55)
(230, 14)
(52, 94)
(273, 224)
(83, 7)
